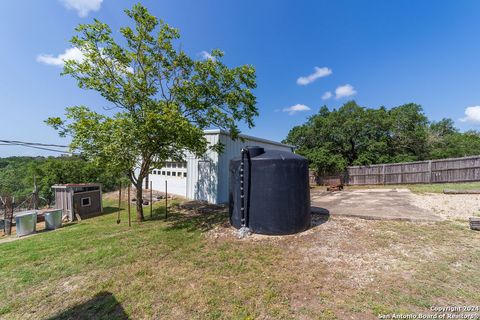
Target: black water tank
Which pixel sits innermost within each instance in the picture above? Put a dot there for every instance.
(276, 190)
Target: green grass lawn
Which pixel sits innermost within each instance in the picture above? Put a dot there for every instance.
(423, 188)
(182, 269)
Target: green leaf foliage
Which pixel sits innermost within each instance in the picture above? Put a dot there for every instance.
(17, 175)
(162, 99)
(354, 135)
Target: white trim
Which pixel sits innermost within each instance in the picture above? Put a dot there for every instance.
(244, 136)
(89, 202)
(85, 185)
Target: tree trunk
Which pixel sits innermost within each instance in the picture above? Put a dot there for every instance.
(139, 202)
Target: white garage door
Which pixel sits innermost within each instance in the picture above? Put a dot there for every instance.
(175, 175)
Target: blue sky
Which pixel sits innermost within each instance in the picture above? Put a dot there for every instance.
(376, 52)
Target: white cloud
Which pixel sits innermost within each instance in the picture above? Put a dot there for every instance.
(69, 54)
(319, 73)
(472, 114)
(206, 56)
(83, 7)
(296, 108)
(344, 91)
(327, 95)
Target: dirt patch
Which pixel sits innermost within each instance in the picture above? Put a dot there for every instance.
(71, 283)
(343, 266)
(342, 261)
(334, 242)
(449, 206)
(397, 204)
(374, 204)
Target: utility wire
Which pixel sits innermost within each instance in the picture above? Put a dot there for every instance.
(35, 145)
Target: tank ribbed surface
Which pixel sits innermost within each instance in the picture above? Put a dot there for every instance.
(276, 190)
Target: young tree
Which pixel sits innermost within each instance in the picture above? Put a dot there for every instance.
(164, 99)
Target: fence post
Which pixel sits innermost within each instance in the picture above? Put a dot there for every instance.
(383, 174)
(401, 173)
(430, 171)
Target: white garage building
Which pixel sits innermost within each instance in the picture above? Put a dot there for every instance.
(207, 178)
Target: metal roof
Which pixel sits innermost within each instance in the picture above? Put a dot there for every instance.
(219, 131)
(74, 185)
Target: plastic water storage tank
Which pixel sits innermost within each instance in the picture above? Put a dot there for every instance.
(26, 223)
(276, 192)
(53, 219)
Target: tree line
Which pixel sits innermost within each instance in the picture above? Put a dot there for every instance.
(18, 175)
(355, 135)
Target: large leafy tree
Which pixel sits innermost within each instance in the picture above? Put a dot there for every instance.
(408, 133)
(354, 135)
(446, 141)
(162, 99)
(331, 140)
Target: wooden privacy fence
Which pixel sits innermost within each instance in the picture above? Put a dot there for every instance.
(430, 171)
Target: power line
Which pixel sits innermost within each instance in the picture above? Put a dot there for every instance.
(41, 148)
(32, 143)
(35, 145)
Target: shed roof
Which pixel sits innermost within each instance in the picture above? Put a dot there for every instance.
(219, 131)
(75, 185)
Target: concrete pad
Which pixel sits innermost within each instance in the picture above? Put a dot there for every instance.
(377, 204)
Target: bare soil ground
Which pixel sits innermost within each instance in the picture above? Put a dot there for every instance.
(450, 206)
(377, 204)
(397, 204)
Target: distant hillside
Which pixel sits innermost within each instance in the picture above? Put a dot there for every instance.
(17, 174)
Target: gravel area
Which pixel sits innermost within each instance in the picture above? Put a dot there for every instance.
(458, 206)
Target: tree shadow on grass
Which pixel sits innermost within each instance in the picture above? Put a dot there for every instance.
(103, 305)
(193, 216)
(109, 210)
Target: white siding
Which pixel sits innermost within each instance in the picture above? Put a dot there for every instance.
(202, 181)
(232, 150)
(207, 178)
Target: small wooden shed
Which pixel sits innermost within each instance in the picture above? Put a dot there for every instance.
(84, 199)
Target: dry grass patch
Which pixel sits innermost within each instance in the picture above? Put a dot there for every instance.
(193, 266)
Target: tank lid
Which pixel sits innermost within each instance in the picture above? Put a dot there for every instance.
(51, 210)
(26, 213)
(255, 151)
